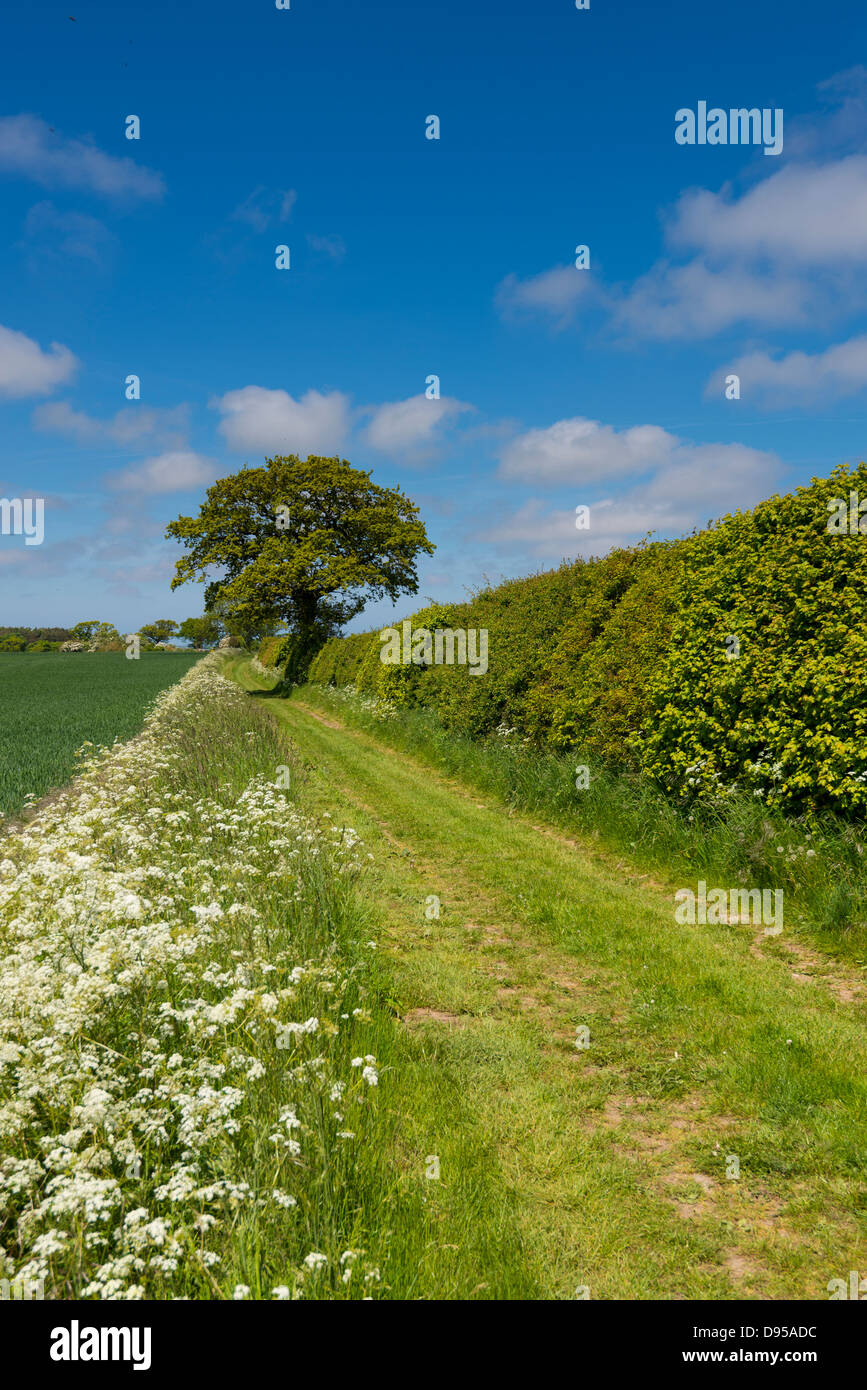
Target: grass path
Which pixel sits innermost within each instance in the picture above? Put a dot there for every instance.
(709, 1052)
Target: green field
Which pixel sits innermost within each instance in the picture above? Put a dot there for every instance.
(50, 704)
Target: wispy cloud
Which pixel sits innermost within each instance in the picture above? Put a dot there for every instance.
(265, 206)
(51, 233)
(555, 294)
(25, 370)
(132, 425)
(413, 426)
(235, 239)
(799, 378)
(31, 149)
(839, 126)
(334, 247)
(174, 471)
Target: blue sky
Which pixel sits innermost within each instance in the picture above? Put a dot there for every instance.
(411, 257)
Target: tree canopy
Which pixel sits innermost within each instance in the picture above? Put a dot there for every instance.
(201, 632)
(160, 630)
(306, 544)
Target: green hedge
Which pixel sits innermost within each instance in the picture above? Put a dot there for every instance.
(557, 668)
(594, 688)
(270, 651)
(632, 657)
(337, 663)
(787, 719)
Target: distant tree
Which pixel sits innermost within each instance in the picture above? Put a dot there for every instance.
(245, 626)
(83, 632)
(159, 631)
(201, 632)
(41, 646)
(300, 544)
(107, 638)
(13, 642)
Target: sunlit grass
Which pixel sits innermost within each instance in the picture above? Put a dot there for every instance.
(820, 864)
(705, 1042)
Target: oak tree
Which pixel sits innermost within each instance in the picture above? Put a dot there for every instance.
(302, 544)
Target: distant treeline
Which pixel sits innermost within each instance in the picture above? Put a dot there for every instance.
(38, 634)
(93, 635)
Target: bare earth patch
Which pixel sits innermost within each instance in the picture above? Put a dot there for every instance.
(434, 1016)
(813, 968)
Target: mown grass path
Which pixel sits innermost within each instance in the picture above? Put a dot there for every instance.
(709, 1053)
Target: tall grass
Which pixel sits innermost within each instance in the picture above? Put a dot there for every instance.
(203, 1089)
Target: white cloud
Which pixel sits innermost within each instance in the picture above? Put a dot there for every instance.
(30, 149)
(782, 254)
(663, 483)
(129, 426)
(260, 421)
(580, 450)
(812, 215)
(696, 483)
(555, 292)
(550, 534)
(694, 301)
(701, 481)
(25, 370)
(174, 471)
(803, 377)
(411, 424)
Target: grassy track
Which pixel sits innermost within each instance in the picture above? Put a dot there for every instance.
(707, 1044)
(52, 703)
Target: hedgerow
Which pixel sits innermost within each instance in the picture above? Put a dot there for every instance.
(732, 661)
(593, 691)
(270, 651)
(785, 718)
(337, 663)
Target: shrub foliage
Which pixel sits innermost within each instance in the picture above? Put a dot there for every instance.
(732, 660)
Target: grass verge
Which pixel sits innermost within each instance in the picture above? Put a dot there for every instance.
(202, 1088)
(820, 865)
